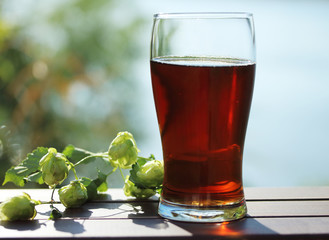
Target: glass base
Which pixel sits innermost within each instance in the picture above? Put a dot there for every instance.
(188, 213)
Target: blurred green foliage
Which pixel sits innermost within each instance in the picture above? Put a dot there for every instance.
(65, 78)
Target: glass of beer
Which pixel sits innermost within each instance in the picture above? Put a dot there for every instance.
(203, 69)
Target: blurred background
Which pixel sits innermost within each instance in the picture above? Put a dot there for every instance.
(77, 72)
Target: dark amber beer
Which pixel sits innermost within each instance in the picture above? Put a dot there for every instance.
(202, 108)
(202, 104)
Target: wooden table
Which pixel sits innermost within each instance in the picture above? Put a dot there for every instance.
(273, 213)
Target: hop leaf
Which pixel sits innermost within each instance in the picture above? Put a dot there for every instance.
(29, 166)
(131, 190)
(123, 151)
(100, 182)
(54, 213)
(90, 186)
(20, 207)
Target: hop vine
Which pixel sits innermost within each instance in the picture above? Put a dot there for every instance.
(48, 166)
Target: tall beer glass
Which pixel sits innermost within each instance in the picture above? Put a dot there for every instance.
(203, 68)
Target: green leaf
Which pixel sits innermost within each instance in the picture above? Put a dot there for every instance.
(30, 165)
(36, 177)
(91, 187)
(159, 190)
(101, 177)
(75, 154)
(103, 187)
(100, 182)
(55, 213)
(136, 168)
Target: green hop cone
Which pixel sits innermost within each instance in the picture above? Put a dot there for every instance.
(147, 173)
(20, 207)
(73, 195)
(131, 190)
(123, 151)
(53, 167)
(150, 175)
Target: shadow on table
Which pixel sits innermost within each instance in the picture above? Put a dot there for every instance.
(69, 226)
(143, 209)
(247, 228)
(146, 214)
(155, 223)
(29, 225)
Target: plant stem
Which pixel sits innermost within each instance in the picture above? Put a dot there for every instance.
(52, 196)
(55, 213)
(123, 177)
(75, 173)
(113, 170)
(94, 155)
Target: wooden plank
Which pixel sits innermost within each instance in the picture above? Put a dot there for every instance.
(252, 194)
(288, 208)
(115, 210)
(278, 213)
(37, 194)
(114, 207)
(249, 228)
(286, 193)
(112, 195)
(149, 210)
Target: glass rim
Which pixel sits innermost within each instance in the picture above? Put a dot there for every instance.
(203, 15)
